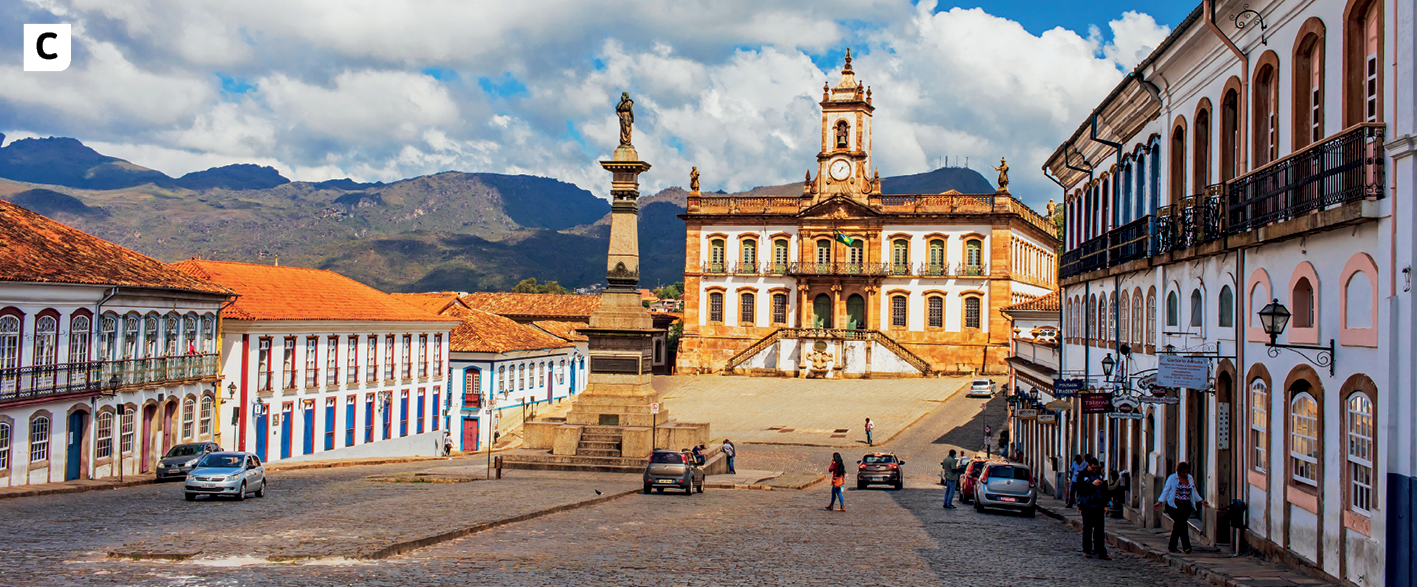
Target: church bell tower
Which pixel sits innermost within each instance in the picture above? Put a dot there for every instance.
(844, 163)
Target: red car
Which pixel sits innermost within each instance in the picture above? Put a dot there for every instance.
(969, 479)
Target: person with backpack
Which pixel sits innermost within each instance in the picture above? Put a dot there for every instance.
(838, 473)
(870, 427)
(1181, 498)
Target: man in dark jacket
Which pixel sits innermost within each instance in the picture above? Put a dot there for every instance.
(1092, 504)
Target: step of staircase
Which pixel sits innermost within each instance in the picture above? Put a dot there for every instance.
(598, 452)
(599, 445)
(605, 464)
(601, 437)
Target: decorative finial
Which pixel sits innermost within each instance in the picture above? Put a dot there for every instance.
(868, 94)
(847, 69)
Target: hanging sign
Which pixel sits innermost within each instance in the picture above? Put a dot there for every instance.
(1222, 425)
(1047, 419)
(1126, 408)
(1177, 371)
(1060, 405)
(1026, 413)
(1096, 403)
(1160, 399)
(1068, 387)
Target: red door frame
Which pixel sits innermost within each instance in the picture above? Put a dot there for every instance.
(149, 412)
(476, 436)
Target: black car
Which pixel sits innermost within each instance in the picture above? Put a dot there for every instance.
(880, 467)
(180, 459)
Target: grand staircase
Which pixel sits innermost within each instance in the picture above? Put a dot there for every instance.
(875, 336)
(599, 441)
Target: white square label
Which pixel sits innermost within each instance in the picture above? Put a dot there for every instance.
(48, 47)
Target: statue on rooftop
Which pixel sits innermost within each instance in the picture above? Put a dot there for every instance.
(626, 111)
(694, 179)
(1003, 170)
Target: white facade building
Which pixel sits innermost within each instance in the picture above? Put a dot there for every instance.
(107, 357)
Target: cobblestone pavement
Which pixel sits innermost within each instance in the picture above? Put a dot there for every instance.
(803, 411)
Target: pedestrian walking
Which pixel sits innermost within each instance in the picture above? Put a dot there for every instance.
(869, 428)
(447, 443)
(1181, 498)
(838, 473)
(1092, 504)
(951, 466)
(730, 451)
(1076, 467)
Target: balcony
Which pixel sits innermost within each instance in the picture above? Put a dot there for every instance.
(1196, 220)
(1132, 241)
(1346, 167)
(25, 383)
(867, 269)
(744, 268)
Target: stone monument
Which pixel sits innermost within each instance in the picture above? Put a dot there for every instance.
(612, 419)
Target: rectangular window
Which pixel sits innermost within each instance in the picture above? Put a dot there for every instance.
(937, 312)
(750, 253)
(371, 358)
(779, 255)
(204, 423)
(824, 252)
(389, 357)
(419, 407)
(351, 373)
(716, 307)
(349, 419)
(189, 417)
(779, 308)
(898, 307)
(746, 315)
(312, 361)
(288, 363)
(407, 356)
(1304, 440)
(472, 389)
(423, 355)
(437, 355)
(1259, 424)
(4, 446)
(105, 435)
(39, 440)
(332, 360)
(125, 432)
(971, 312)
(263, 365)
(716, 255)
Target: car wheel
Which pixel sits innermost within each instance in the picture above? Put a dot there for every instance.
(659, 490)
(1030, 512)
(689, 489)
(978, 507)
(191, 496)
(860, 485)
(241, 493)
(899, 485)
(648, 489)
(701, 487)
(262, 491)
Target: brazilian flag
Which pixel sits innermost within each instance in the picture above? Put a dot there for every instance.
(843, 239)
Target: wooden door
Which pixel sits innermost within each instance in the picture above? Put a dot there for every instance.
(469, 434)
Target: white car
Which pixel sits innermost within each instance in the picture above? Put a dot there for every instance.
(981, 388)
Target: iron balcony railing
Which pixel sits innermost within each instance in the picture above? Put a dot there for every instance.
(1070, 263)
(23, 383)
(1094, 254)
(1349, 166)
(875, 269)
(1132, 241)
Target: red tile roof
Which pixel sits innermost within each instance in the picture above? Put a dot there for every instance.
(521, 305)
(564, 329)
(435, 302)
(485, 332)
(1047, 303)
(36, 249)
(271, 292)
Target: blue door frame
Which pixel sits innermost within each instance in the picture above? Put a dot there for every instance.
(287, 412)
(262, 434)
(73, 454)
(388, 420)
(330, 427)
(349, 423)
(403, 416)
(309, 429)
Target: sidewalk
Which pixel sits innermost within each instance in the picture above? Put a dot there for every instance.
(743, 479)
(1211, 564)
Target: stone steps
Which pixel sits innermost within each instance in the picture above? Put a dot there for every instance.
(599, 445)
(605, 463)
(598, 452)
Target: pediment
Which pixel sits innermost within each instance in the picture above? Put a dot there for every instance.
(838, 207)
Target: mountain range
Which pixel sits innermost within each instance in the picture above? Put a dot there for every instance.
(445, 231)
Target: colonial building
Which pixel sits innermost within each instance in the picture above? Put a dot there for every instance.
(1240, 173)
(888, 284)
(107, 357)
(322, 367)
(1033, 364)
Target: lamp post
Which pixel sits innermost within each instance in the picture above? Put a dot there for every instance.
(1108, 363)
(1274, 318)
(113, 383)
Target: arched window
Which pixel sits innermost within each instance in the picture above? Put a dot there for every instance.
(4, 446)
(779, 254)
(1197, 309)
(1227, 307)
(1151, 318)
(1360, 454)
(104, 446)
(46, 333)
(150, 336)
(1259, 424)
(973, 256)
(1141, 184)
(1124, 325)
(937, 256)
(209, 337)
(1137, 336)
(189, 415)
(502, 379)
(1363, 62)
(900, 256)
(1200, 163)
(971, 313)
(1266, 92)
(130, 336)
(1155, 189)
(1091, 333)
(1126, 198)
(1178, 165)
(125, 431)
(716, 252)
(824, 251)
(189, 334)
(1230, 136)
(39, 439)
(779, 308)
(936, 313)
(1303, 298)
(843, 133)
(169, 346)
(1308, 89)
(1304, 439)
(1173, 310)
(79, 339)
(541, 374)
(716, 307)
(1112, 316)
(747, 302)
(521, 376)
(750, 252)
(856, 254)
(898, 311)
(204, 420)
(9, 346)
(1101, 333)
(107, 337)
(1358, 301)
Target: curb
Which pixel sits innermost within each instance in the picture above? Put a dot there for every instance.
(411, 545)
(740, 487)
(76, 488)
(332, 464)
(1129, 545)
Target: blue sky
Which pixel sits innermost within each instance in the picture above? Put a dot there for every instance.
(389, 89)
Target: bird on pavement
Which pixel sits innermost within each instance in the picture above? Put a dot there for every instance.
(597, 492)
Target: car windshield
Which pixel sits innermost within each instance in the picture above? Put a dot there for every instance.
(1008, 472)
(185, 450)
(975, 469)
(672, 458)
(222, 461)
(981, 383)
(878, 459)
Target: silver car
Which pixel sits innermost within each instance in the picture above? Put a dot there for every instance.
(233, 474)
(180, 460)
(668, 468)
(1007, 486)
(980, 388)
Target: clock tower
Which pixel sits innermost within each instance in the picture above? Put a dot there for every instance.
(844, 163)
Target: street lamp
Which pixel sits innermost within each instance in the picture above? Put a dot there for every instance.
(113, 383)
(1273, 318)
(1107, 364)
(231, 390)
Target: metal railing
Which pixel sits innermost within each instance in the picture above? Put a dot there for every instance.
(1132, 241)
(1349, 166)
(22, 383)
(838, 268)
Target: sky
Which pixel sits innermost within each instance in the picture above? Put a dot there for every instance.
(380, 90)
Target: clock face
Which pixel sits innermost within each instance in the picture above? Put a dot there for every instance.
(840, 169)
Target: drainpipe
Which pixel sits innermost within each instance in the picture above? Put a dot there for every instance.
(96, 325)
(1244, 106)
(1114, 211)
(221, 377)
(1087, 292)
(1062, 304)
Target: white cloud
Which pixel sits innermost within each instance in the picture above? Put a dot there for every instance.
(1134, 35)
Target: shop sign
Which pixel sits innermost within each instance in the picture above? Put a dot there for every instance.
(1068, 387)
(1047, 419)
(1096, 403)
(1059, 405)
(1178, 371)
(1026, 413)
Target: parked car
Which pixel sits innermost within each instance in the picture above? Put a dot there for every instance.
(880, 467)
(233, 474)
(669, 468)
(180, 459)
(981, 388)
(969, 478)
(1006, 486)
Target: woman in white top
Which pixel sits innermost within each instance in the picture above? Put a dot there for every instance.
(1180, 497)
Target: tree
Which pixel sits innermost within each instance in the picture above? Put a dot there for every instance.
(529, 285)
